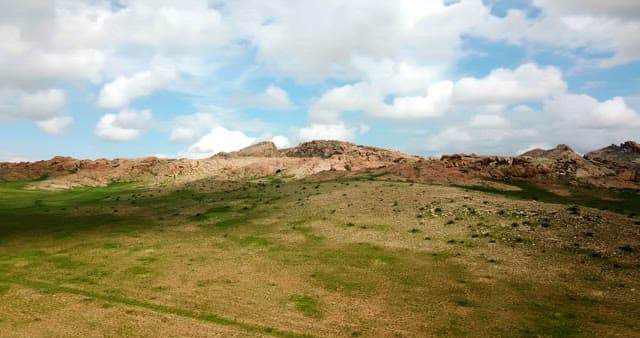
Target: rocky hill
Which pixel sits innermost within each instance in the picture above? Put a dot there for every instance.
(627, 153)
(259, 160)
(613, 166)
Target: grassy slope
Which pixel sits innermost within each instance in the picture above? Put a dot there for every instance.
(292, 258)
(617, 200)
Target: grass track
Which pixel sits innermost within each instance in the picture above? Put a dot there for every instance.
(207, 317)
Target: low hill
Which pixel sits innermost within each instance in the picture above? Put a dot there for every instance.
(613, 166)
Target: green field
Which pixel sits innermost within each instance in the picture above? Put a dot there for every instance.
(290, 258)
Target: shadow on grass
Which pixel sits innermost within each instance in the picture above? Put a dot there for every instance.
(624, 201)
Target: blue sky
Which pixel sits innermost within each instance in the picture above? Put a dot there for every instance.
(106, 79)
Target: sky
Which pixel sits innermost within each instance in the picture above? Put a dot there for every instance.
(187, 79)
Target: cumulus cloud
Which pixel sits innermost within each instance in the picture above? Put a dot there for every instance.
(122, 90)
(580, 120)
(11, 157)
(219, 139)
(488, 121)
(45, 108)
(188, 128)
(527, 83)
(281, 141)
(317, 131)
(296, 39)
(387, 60)
(370, 100)
(37, 105)
(466, 139)
(586, 112)
(273, 97)
(436, 103)
(126, 125)
(357, 97)
(613, 8)
(55, 125)
(604, 29)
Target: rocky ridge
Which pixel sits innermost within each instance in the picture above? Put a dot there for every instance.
(613, 166)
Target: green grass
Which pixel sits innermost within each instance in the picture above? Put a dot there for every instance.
(253, 241)
(253, 245)
(464, 302)
(215, 212)
(308, 305)
(552, 324)
(616, 200)
(50, 288)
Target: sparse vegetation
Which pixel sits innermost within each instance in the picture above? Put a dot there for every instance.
(307, 305)
(251, 259)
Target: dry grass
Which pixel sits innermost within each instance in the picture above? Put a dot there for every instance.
(337, 258)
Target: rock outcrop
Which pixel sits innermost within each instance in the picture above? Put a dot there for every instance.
(624, 160)
(259, 160)
(613, 166)
(627, 153)
(346, 150)
(261, 149)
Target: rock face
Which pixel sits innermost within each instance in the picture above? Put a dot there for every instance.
(613, 166)
(624, 160)
(259, 160)
(627, 153)
(557, 164)
(560, 152)
(261, 149)
(331, 149)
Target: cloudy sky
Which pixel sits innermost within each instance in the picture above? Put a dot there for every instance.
(190, 78)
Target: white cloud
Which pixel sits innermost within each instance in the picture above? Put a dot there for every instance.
(318, 131)
(597, 27)
(32, 64)
(188, 128)
(281, 141)
(44, 107)
(126, 125)
(219, 139)
(436, 103)
(357, 97)
(586, 112)
(55, 125)
(10, 157)
(489, 141)
(273, 97)
(38, 105)
(122, 90)
(613, 8)
(579, 120)
(42, 104)
(527, 83)
(369, 99)
(488, 121)
(392, 60)
(533, 146)
(276, 97)
(297, 39)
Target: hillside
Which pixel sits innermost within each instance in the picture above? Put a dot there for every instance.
(326, 239)
(614, 166)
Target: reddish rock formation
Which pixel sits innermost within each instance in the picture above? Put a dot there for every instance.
(614, 166)
(624, 159)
